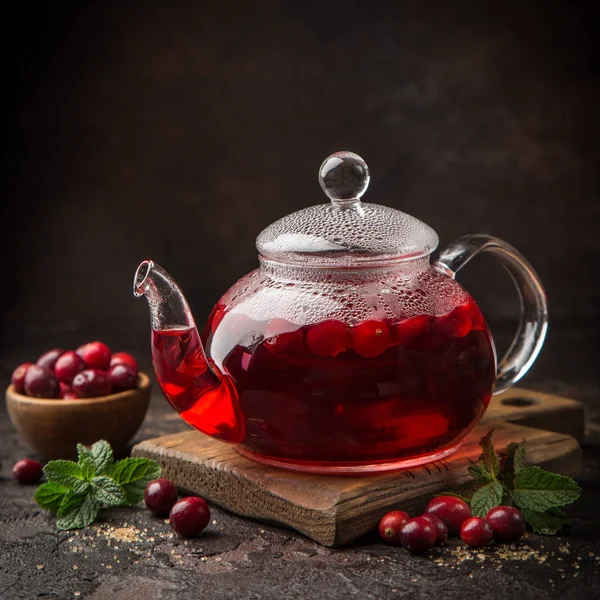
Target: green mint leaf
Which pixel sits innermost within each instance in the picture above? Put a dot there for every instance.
(80, 487)
(50, 495)
(486, 498)
(77, 511)
(538, 490)
(103, 457)
(480, 473)
(88, 468)
(134, 474)
(101, 453)
(514, 463)
(548, 522)
(489, 458)
(65, 472)
(107, 491)
(83, 452)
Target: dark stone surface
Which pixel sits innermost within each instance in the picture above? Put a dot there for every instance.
(238, 558)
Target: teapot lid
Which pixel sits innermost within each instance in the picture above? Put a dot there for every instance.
(345, 231)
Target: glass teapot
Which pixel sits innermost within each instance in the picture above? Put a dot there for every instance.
(346, 351)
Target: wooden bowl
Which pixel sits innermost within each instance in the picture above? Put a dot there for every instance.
(53, 428)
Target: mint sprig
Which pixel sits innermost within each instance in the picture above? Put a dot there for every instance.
(538, 493)
(77, 491)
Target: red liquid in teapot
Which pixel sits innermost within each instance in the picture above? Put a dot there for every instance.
(329, 394)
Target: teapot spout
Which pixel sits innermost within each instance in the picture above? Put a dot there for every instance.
(168, 306)
(204, 396)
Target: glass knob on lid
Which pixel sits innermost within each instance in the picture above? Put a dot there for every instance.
(345, 231)
(344, 177)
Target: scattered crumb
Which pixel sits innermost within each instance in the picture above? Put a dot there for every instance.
(76, 593)
(75, 567)
(564, 548)
(40, 566)
(123, 534)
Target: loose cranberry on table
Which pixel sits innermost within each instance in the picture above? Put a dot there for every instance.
(27, 471)
(160, 496)
(97, 355)
(451, 510)
(507, 523)
(475, 532)
(391, 524)
(48, 359)
(189, 516)
(18, 377)
(40, 383)
(418, 535)
(122, 377)
(91, 383)
(68, 365)
(124, 358)
(441, 531)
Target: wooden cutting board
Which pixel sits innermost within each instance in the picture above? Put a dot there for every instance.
(336, 510)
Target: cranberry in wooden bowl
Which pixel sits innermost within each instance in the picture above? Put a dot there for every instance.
(65, 401)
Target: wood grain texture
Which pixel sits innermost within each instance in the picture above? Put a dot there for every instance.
(336, 510)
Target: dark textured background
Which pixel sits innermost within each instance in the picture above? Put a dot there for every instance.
(178, 131)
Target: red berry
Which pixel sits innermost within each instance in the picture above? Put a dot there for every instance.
(409, 329)
(507, 523)
(69, 394)
(475, 532)
(97, 355)
(80, 350)
(390, 525)
(328, 338)
(282, 337)
(18, 377)
(477, 320)
(160, 496)
(41, 383)
(441, 531)
(91, 383)
(48, 359)
(27, 471)
(451, 510)
(68, 365)
(370, 339)
(189, 516)
(122, 377)
(123, 358)
(455, 324)
(418, 535)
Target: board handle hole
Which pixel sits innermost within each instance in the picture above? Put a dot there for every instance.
(519, 401)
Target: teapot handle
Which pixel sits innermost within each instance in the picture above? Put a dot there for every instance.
(533, 325)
